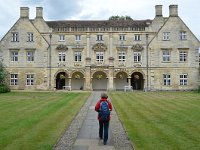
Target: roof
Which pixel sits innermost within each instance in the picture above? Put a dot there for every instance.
(98, 23)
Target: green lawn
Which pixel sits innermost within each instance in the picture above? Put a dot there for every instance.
(160, 120)
(36, 120)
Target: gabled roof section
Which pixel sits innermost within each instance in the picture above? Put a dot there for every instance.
(99, 23)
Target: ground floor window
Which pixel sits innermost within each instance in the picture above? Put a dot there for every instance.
(30, 79)
(167, 79)
(183, 79)
(13, 79)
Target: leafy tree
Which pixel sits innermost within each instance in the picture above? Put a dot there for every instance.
(3, 79)
(120, 18)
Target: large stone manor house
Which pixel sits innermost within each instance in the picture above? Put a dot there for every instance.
(158, 54)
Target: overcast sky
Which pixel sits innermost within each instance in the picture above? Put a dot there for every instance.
(97, 10)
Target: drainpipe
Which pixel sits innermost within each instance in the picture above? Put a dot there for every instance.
(147, 55)
(50, 36)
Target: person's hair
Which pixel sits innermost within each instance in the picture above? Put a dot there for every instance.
(104, 95)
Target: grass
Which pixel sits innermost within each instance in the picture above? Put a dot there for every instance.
(160, 120)
(36, 120)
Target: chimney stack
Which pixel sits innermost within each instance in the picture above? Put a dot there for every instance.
(158, 9)
(24, 12)
(39, 12)
(173, 10)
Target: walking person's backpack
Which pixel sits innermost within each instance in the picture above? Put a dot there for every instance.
(104, 112)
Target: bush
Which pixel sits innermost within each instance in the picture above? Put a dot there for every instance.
(4, 89)
(198, 90)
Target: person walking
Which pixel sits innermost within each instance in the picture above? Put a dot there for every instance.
(103, 107)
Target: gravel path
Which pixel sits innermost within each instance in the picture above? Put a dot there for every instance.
(121, 142)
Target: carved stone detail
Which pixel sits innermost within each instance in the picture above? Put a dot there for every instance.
(137, 47)
(99, 46)
(62, 47)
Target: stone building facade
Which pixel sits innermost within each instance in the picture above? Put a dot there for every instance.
(158, 54)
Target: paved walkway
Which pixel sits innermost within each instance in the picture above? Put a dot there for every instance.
(83, 131)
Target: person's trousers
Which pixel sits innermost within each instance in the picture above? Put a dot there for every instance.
(103, 130)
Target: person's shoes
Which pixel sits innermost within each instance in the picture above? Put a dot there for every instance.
(100, 138)
(104, 142)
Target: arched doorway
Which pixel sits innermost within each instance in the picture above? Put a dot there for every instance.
(137, 81)
(77, 82)
(61, 80)
(99, 81)
(121, 81)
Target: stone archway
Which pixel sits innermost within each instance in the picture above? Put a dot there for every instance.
(77, 82)
(61, 80)
(99, 81)
(121, 81)
(137, 81)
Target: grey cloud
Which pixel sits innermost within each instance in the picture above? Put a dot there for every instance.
(59, 9)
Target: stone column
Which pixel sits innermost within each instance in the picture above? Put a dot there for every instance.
(111, 45)
(88, 45)
(129, 81)
(87, 84)
(110, 79)
(70, 81)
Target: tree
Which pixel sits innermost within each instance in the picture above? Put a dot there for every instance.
(120, 18)
(3, 79)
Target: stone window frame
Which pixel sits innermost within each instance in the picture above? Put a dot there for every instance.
(166, 55)
(61, 37)
(166, 36)
(138, 56)
(183, 35)
(30, 79)
(167, 79)
(62, 56)
(30, 37)
(15, 37)
(183, 81)
(78, 37)
(14, 55)
(183, 55)
(13, 79)
(77, 56)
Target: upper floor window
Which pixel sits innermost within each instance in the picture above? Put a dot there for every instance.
(13, 79)
(121, 56)
(166, 79)
(77, 56)
(99, 37)
(78, 37)
(14, 55)
(166, 55)
(15, 37)
(99, 56)
(122, 37)
(30, 55)
(183, 35)
(62, 56)
(30, 37)
(137, 37)
(62, 37)
(30, 79)
(183, 79)
(166, 36)
(182, 56)
(137, 56)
